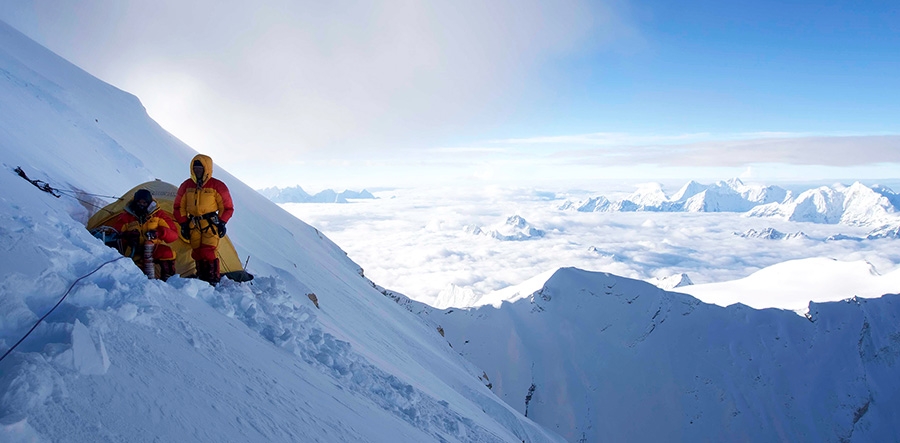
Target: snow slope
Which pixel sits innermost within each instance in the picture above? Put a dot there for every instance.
(127, 359)
(598, 357)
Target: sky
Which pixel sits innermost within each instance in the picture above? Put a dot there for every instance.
(366, 94)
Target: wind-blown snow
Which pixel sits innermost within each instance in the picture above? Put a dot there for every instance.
(127, 359)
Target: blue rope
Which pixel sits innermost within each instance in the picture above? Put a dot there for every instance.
(57, 305)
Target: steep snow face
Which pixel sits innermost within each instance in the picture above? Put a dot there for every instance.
(125, 359)
(604, 358)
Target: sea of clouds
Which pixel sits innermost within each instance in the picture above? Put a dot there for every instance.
(420, 242)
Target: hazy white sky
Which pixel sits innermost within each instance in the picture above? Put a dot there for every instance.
(354, 94)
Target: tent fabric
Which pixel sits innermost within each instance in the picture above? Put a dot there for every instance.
(164, 194)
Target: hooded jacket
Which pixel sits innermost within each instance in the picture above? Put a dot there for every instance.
(199, 196)
(156, 220)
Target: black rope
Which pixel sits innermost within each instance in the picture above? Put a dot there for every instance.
(56, 192)
(92, 204)
(56, 305)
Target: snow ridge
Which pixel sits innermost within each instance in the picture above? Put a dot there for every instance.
(568, 340)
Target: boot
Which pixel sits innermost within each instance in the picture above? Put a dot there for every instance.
(166, 269)
(208, 271)
(198, 268)
(214, 275)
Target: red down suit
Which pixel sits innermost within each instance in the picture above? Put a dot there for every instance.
(197, 198)
(155, 220)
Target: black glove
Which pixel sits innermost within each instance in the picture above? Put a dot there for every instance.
(186, 230)
(221, 228)
(131, 238)
(151, 235)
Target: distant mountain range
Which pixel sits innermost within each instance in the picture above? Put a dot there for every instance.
(770, 234)
(854, 205)
(515, 228)
(296, 194)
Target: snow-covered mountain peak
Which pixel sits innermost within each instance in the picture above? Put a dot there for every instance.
(515, 228)
(648, 194)
(854, 205)
(689, 190)
(454, 296)
(671, 282)
(511, 294)
(734, 183)
(723, 196)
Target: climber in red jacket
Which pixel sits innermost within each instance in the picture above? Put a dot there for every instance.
(144, 220)
(202, 207)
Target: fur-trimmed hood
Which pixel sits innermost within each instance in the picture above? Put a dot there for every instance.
(207, 163)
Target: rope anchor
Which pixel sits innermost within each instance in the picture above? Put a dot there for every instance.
(42, 185)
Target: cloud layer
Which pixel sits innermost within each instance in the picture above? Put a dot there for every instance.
(415, 243)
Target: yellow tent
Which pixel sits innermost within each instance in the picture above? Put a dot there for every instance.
(164, 193)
